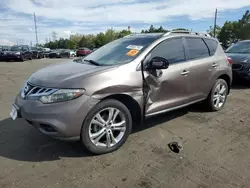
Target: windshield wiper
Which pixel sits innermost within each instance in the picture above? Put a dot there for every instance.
(92, 62)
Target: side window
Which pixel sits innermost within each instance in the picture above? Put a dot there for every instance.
(197, 48)
(171, 49)
(212, 45)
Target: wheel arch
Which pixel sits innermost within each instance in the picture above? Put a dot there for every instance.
(227, 79)
(132, 105)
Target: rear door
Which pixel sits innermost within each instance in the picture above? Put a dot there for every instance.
(168, 88)
(202, 67)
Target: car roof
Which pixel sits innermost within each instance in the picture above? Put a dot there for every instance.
(171, 34)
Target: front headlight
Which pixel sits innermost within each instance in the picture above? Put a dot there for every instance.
(17, 53)
(62, 95)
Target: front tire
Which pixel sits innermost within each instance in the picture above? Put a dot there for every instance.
(106, 127)
(218, 95)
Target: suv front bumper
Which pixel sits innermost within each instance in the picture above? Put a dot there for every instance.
(61, 120)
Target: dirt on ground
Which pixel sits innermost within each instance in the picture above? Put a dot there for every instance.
(216, 147)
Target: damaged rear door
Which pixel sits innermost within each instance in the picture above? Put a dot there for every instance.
(167, 88)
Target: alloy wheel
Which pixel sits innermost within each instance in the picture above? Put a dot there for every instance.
(107, 127)
(219, 96)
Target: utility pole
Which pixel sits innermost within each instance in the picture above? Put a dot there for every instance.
(35, 29)
(215, 24)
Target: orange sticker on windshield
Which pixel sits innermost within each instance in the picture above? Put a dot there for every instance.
(132, 52)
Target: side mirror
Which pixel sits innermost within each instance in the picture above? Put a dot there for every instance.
(158, 63)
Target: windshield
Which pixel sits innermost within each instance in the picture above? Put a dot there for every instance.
(15, 48)
(240, 47)
(120, 51)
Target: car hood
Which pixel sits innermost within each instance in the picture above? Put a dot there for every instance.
(239, 58)
(67, 75)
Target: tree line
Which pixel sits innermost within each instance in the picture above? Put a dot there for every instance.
(89, 41)
(233, 31)
(230, 32)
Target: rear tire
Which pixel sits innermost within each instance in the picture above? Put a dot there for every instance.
(218, 95)
(109, 135)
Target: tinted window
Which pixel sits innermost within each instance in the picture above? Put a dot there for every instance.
(171, 49)
(212, 45)
(197, 48)
(239, 47)
(15, 48)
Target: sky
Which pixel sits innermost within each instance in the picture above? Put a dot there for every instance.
(66, 17)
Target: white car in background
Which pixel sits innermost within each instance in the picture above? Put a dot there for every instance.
(72, 53)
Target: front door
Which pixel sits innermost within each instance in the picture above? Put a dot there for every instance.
(168, 88)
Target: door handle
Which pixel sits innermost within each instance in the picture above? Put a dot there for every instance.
(214, 65)
(184, 73)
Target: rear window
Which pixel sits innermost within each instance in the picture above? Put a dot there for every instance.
(197, 48)
(212, 45)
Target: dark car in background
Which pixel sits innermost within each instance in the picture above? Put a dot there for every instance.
(20, 53)
(55, 54)
(46, 52)
(240, 54)
(2, 49)
(83, 52)
(59, 53)
(37, 52)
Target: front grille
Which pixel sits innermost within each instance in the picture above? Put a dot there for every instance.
(236, 66)
(35, 91)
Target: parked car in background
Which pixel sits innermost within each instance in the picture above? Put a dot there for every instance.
(240, 54)
(37, 52)
(55, 53)
(21, 53)
(4, 48)
(89, 100)
(72, 53)
(60, 53)
(65, 53)
(83, 52)
(46, 49)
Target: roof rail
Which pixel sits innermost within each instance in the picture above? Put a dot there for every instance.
(186, 32)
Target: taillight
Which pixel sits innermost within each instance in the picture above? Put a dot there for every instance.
(230, 61)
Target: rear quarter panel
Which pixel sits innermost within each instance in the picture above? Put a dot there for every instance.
(224, 68)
